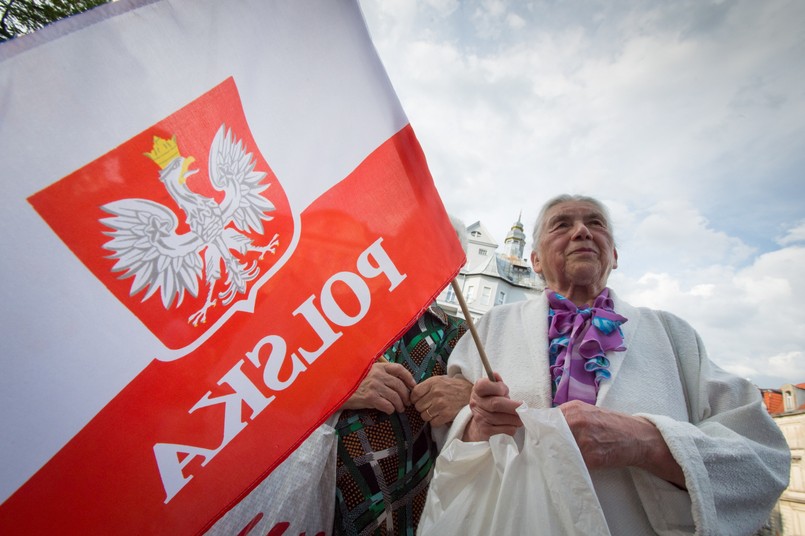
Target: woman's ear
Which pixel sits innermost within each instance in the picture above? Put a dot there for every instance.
(536, 264)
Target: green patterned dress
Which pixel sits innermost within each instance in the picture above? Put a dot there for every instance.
(385, 462)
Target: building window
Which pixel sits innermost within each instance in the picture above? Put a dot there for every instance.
(501, 298)
(469, 294)
(476, 234)
(482, 252)
(486, 295)
(450, 297)
(788, 401)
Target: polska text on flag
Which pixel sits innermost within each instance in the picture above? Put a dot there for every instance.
(215, 215)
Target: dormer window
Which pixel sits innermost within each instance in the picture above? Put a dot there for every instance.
(788, 401)
(476, 234)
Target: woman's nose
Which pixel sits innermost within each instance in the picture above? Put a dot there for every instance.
(581, 232)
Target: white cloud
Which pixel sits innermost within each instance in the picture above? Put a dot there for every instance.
(750, 319)
(628, 106)
(443, 7)
(686, 118)
(675, 234)
(515, 21)
(783, 365)
(488, 18)
(794, 235)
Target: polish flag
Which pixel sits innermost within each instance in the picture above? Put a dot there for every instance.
(215, 217)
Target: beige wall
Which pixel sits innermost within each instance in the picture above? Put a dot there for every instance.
(792, 502)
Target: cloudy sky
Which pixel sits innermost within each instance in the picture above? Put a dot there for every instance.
(687, 118)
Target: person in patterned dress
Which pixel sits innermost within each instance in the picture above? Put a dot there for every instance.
(386, 449)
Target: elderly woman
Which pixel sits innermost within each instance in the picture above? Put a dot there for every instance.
(624, 378)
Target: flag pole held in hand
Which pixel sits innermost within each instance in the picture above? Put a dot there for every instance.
(471, 325)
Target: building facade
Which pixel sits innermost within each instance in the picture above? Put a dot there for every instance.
(490, 278)
(788, 517)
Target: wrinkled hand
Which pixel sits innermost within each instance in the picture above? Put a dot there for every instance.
(493, 412)
(386, 388)
(439, 398)
(609, 439)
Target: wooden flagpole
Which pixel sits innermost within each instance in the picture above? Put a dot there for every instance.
(471, 325)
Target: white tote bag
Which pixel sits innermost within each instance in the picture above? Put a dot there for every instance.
(533, 483)
(298, 497)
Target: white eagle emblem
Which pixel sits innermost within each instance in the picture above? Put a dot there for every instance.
(147, 246)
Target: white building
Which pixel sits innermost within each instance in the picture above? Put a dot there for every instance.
(791, 507)
(490, 278)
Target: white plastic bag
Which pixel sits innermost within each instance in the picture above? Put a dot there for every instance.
(533, 483)
(298, 497)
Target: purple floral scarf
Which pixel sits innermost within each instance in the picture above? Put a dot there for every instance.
(579, 339)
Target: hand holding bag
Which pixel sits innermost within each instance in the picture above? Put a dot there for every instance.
(533, 483)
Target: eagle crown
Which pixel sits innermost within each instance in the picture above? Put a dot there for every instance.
(163, 151)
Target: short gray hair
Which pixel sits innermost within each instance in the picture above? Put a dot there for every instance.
(565, 198)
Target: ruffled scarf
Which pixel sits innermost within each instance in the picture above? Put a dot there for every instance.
(577, 352)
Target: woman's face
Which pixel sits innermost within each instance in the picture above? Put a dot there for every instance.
(576, 248)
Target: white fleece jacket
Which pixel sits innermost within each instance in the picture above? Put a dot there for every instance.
(735, 459)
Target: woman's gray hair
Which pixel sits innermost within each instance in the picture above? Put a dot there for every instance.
(565, 198)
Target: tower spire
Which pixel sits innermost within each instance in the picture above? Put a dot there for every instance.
(515, 240)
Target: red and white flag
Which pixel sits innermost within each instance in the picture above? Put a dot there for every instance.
(215, 215)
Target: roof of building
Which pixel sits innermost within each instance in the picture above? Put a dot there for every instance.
(478, 233)
(485, 267)
(501, 267)
(774, 401)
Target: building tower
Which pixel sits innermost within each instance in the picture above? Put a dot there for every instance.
(491, 278)
(514, 245)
